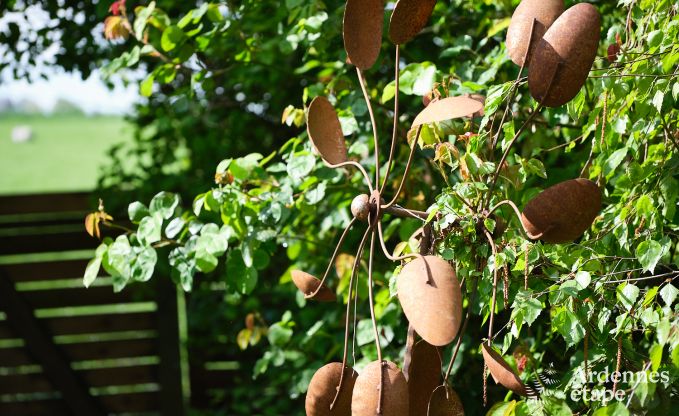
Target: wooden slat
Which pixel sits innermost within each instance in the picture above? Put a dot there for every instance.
(35, 408)
(117, 376)
(24, 244)
(98, 295)
(119, 403)
(10, 357)
(25, 383)
(54, 363)
(212, 379)
(42, 220)
(92, 324)
(27, 272)
(42, 203)
(133, 402)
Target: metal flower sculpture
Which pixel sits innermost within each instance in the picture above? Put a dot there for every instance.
(428, 289)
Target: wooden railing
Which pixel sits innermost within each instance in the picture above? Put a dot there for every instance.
(65, 349)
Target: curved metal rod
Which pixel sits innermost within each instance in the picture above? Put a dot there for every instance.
(386, 252)
(361, 81)
(332, 259)
(517, 212)
(398, 211)
(518, 133)
(394, 133)
(495, 275)
(515, 84)
(407, 170)
(371, 254)
(357, 166)
(354, 273)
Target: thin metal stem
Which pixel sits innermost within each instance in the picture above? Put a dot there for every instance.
(354, 273)
(398, 211)
(395, 129)
(514, 88)
(407, 170)
(518, 133)
(506, 152)
(462, 331)
(357, 166)
(361, 81)
(332, 259)
(495, 275)
(386, 252)
(517, 212)
(374, 320)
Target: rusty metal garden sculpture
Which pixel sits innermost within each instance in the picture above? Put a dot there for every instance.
(559, 48)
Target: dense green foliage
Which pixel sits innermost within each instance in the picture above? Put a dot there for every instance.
(609, 294)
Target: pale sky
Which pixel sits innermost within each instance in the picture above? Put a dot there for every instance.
(91, 95)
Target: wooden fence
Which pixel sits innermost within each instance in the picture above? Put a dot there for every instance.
(69, 350)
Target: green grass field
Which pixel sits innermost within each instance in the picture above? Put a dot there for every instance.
(64, 155)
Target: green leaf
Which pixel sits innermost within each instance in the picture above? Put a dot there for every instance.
(583, 279)
(316, 195)
(556, 407)
(142, 18)
(205, 261)
(174, 227)
(668, 294)
(300, 166)
(568, 325)
(241, 278)
(118, 258)
(502, 409)
(649, 253)
(627, 295)
(136, 211)
(146, 86)
(614, 161)
(526, 306)
(658, 100)
(150, 228)
(91, 271)
(279, 335)
(172, 36)
(655, 354)
(164, 203)
(615, 409)
(144, 264)
(663, 331)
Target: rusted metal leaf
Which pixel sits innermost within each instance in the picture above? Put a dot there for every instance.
(445, 402)
(501, 372)
(545, 12)
(424, 375)
(562, 59)
(308, 284)
(408, 19)
(363, 31)
(366, 391)
(325, 131)
(446, 109)
(323, 389)
(430, 295)
(563, 212)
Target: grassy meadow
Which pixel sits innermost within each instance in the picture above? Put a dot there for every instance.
(64, 154)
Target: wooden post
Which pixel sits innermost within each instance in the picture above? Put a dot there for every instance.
(40, 345)
(172, 401)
